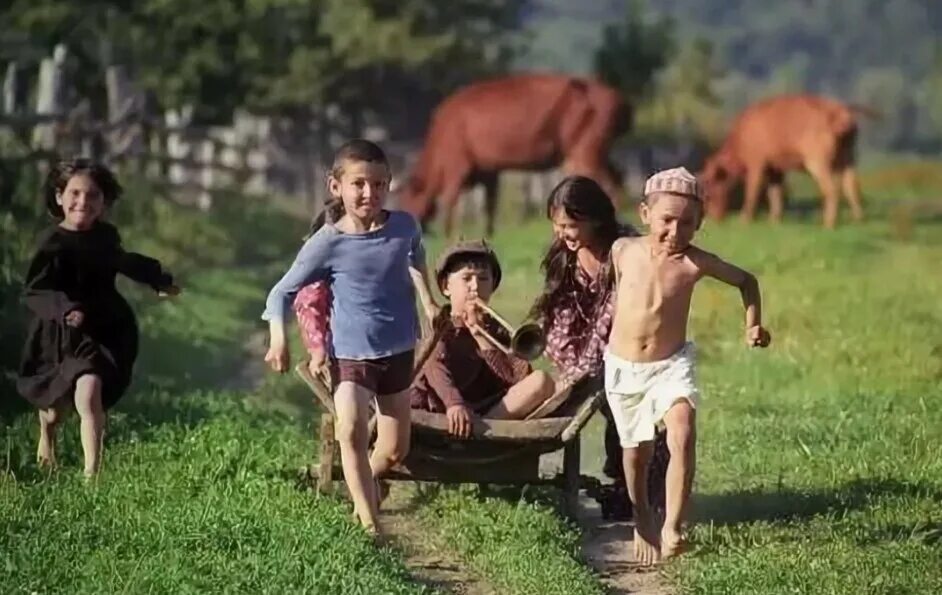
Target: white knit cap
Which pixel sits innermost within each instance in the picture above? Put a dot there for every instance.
(677, 180)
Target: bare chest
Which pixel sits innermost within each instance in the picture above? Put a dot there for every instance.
(654, 286)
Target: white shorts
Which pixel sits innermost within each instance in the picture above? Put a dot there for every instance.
(640, 393)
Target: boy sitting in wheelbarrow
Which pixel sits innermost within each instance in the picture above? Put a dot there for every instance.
(468, 374)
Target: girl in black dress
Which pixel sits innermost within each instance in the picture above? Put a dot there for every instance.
(82, 339)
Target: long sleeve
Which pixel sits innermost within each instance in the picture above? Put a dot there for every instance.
(137, 267)
(46, 291)
(508, 368)
(309, 265)
(441, 380)
(143, 269)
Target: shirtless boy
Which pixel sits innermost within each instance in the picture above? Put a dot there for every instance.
(650, 366)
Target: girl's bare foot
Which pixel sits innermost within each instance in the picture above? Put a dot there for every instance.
(673, 543)
(645, 542)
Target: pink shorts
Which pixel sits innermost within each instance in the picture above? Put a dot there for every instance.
(312, 308)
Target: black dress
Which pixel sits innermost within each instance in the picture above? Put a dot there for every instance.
(75, 270)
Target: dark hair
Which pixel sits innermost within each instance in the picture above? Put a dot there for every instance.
(63, 171)
(475, 261)
(331, 212)
(358, 149)
(582, 199)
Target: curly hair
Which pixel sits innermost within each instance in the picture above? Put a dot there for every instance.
(63, 171)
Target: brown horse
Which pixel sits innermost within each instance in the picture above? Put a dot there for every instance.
(785, 133)
(526, 122)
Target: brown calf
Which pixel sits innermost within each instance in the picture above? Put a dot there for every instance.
(784, 133)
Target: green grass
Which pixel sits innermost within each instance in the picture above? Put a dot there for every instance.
(819, 463)
(819, 466)
(520, 547)
(199, 491)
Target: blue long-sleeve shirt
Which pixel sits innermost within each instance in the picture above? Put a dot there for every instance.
(373, 310)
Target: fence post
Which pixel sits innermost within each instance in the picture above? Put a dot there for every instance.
(123, 103)
(178, 146)
(10, 89)
(207, 176)
(50, 97)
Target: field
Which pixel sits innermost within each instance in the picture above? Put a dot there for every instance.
(820, 466)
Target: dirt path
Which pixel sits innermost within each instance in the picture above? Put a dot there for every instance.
(427, 559)
(607, 547)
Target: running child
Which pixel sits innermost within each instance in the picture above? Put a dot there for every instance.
(374, 261)
(83, 337)
(650, 365)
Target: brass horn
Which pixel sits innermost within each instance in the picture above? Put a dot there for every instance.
(526, 342)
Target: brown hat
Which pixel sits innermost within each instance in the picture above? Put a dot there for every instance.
(677, 181)
(466, 248)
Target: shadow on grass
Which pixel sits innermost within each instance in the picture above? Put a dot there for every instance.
(789, 505)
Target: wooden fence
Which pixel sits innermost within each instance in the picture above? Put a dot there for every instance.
(257, 154)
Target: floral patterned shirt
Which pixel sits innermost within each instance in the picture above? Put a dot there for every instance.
(577, 336)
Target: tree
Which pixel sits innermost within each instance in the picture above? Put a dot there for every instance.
(288, 56)
(633, 50)
(684, 100)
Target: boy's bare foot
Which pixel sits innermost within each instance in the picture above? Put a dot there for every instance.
(645, 541)
(673, 543)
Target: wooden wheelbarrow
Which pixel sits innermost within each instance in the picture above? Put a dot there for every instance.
(500, 452)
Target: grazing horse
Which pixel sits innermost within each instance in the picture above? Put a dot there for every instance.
(530, 122)
(788, 132)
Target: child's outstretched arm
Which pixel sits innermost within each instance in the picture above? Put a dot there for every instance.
(137, 267)
(309, 265)
(714, 266)
(148, 271)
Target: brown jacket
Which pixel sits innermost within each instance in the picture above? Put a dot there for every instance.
(459, 372)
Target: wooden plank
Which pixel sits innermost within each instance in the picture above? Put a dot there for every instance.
(585, 411)
(325, 463)
(494, 429)
(319, 385)
(518, 470)
(571, 478)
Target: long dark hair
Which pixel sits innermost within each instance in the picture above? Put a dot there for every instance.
(582, 199)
